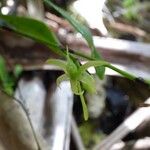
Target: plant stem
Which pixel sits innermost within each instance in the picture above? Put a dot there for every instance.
(108, 65)
(124, 73)
(84, 106)
(77, 53)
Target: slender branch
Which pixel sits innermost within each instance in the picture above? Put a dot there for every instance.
(80, 54)
(124, 73)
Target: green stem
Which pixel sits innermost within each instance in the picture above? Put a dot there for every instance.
(79, 54)
(123, 73)
(84, 106)
(106, 64)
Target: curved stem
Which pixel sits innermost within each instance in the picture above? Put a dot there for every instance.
(108, 65)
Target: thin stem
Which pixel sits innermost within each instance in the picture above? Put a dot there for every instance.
(123, 73)
(77, 53)
(84, 106)
(106, 64)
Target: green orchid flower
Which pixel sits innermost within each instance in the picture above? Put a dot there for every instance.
(80, 80)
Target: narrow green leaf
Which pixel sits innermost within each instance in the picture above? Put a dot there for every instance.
(58, 63)
(31, 28)
(94, 63)
(71, 68)
(79, 27)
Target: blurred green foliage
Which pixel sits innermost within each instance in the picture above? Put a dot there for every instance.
(90, 135)
(131, 12)
(7, 79)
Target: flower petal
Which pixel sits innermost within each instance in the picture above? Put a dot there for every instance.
(61, 78)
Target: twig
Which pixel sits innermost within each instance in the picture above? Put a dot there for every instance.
(76, 135)
(130, 124)
(128, 28)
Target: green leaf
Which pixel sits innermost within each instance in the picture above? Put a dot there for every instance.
(79, 27)
(71, 68)
(31, 28)
(60, 63)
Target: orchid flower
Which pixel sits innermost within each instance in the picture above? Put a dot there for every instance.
(80, 80)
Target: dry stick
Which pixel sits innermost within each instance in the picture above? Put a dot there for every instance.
(128, 28)
(130, 124)
(76, 135)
